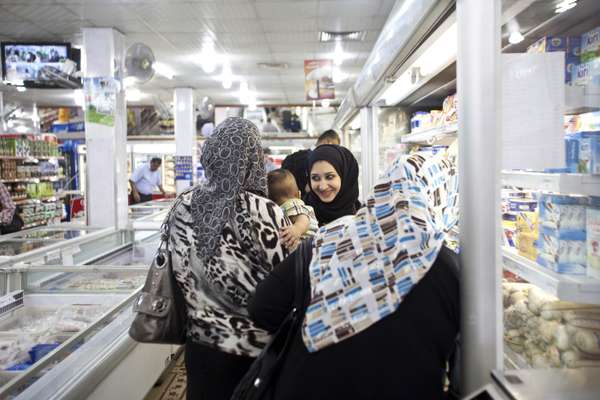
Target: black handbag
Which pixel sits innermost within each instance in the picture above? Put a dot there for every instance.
(262, 372)
(14, 225)
(161, 310)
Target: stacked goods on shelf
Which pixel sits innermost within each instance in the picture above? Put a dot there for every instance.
(422, 120)
(588, 71)
(582, 143)
(29, 146)
(8, 169)
(562, 235)
(570, 45)
(34, 214)
(547, 332)
(169, 174)
(519, 209)
(593, 238)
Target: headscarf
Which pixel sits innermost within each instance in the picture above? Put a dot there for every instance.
(233, 162)
(364, 265)
(297, 164)
(346, 166)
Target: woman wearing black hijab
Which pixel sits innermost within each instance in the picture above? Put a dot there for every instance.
(333, 174)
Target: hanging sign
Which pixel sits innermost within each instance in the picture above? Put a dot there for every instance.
(183, 168)
(100, 100)
(318, 79)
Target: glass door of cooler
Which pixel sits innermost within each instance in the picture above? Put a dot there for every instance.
(550, 250)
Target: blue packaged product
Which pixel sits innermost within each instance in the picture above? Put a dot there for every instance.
(589, 153)
(77, 126)
(40, 350)
(57, 128)
(522, 205)
(572, 152)
(590, 45)
(562, 213)
(561, 268)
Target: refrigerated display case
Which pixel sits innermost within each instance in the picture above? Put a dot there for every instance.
(530, 306)
(64, 329)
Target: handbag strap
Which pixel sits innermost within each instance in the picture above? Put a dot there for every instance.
(302, 259)
(165, 227)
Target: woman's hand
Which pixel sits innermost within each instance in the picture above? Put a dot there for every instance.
(290, 237)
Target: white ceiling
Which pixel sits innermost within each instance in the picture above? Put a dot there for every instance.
(247, 31)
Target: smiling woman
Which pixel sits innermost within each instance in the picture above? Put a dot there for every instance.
(333, 183)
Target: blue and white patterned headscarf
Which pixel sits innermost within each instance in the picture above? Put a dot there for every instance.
(233, 160)
(364, 265)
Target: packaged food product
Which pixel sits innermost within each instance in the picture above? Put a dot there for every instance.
(593, 238)
(590, 45)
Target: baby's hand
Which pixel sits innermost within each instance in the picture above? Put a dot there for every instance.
(290, 237)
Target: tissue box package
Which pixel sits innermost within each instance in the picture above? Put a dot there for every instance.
(593, 238)
(562, 213)
(590, 45)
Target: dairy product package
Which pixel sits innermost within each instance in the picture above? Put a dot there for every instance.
(586, 73)
(593, 238)
(526, 205)
(590, 45)
(589, 153)
(509, 227)
(572, 152)
(571, 45)
(562, 213)
(563, 252)
(526, 244)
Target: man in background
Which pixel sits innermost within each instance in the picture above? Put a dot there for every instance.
(144, 179)
(297, 163)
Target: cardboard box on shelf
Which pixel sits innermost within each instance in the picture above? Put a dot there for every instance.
(593, 238)
(590, 45)
(570, 45)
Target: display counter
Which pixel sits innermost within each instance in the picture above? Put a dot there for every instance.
(64, 329)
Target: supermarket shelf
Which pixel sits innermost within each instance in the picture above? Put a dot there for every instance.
(30, 201)
(36, 224)
(70, 135)
(34, 180)
(584, 184)
(32, 158)
(513, 360)
(582, 99)
(431, 135)
(579, 289)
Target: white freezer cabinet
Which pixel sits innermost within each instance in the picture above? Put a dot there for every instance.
(66, 335)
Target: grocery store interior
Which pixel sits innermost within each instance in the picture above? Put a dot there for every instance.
(105, 106)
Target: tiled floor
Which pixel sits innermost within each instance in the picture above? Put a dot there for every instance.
(173, 383)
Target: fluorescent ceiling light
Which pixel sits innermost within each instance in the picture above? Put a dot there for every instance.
(226, 76)
(164, 70)
(338, 55)
(565, 5)
(437, 56)
(515, 37)
(338, 75)
(208, 57)
(133, 94)
(79, 98)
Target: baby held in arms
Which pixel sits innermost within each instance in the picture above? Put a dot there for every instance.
(283, 190)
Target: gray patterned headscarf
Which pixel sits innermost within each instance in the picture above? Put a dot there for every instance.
(233, 162)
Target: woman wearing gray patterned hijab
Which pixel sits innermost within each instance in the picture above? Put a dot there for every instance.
(224, 239)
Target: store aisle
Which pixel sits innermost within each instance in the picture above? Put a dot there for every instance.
(172, 384)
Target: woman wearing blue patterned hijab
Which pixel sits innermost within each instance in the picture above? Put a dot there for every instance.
(381, 318)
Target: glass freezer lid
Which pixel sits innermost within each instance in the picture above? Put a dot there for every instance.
(53, 234)
(16, 247)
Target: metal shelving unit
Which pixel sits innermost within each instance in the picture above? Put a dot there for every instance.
(432, 135)
(579, 289)
(584, 184)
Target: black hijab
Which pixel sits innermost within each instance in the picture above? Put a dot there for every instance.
(346, 200)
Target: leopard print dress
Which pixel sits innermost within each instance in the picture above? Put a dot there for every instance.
(217, 291)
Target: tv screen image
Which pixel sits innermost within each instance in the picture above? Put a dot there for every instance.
(25, 62)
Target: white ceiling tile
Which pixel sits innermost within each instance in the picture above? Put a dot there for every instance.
(224, 10)
(349, 8)
(37, 12)
(292, 38)
(289, 24)
(64, 27)
(227, 39)
(131, 26)
(21, 31)
(247, 48)
(386, 7)
(176, 25)
(102, 12)
(298, 47)
(6, 16)
(163, 10)
(232, 25)
(283, 10)
(339, 24)
(378, 22)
